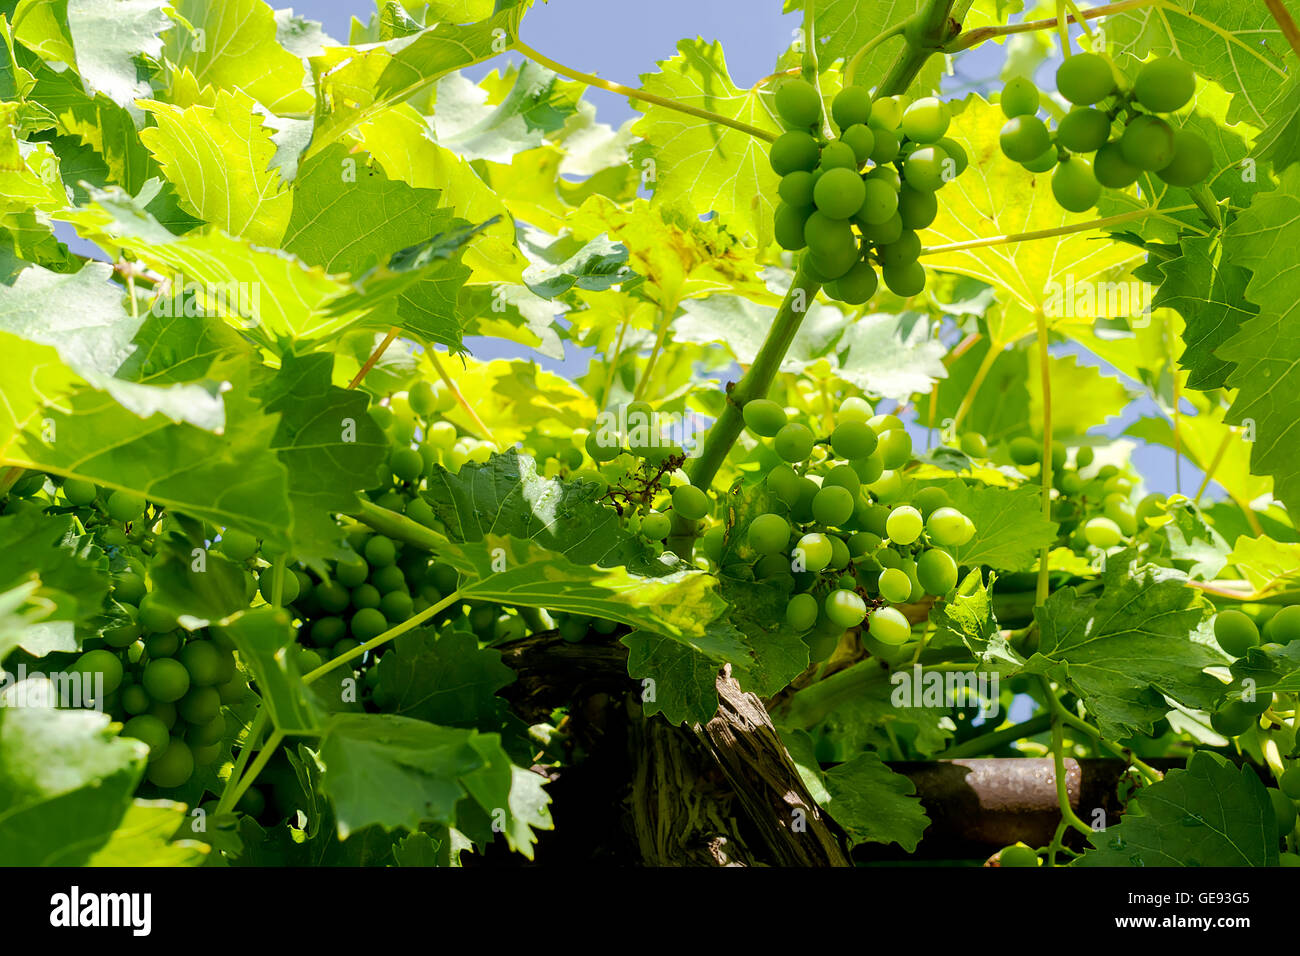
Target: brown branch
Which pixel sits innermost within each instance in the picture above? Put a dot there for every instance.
(1285, 22)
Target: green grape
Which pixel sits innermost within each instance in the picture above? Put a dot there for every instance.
(380, 551)
(838, 155)
(1102, 532)
(904, 524)
(886, 147)
(1233, 719)
(854, 409)
(123, 635)
(926, 120)
(928, 500)
(165, 680)
(1283, 809)
(936, 571)
(391, 578)
(351, 571)
(100, 662)
(1024, 138)
(879, 201)
(815, 550)
(382, 415)
(949, 528)
(288, 585)
(78, 492)
(1084, 457)
(1019, 98)
(902, 251)
(1111, 168)
(768, 534)
(861, 140)
(1085, 78)
(851, 106)
(656, 526)
(895, 449)
(853, 440)
(397, 605)
(113, 537)
(928, 168)
(422, 399)
(690, 502)
(199, 705)
(1282, 628)
(134, 699)
(772, 566)
(974, 445)
(794, 442)
(406, 464)
(1164, 85)
(796, 188)
(839, 193)
(855, 287)
(888, 626)
(1025, 451)
(784, 483)
(798, 103)
(888, 487)
(1290, 782)
(1075, 187)
(345, 646)
(894, 585)
(1045, 162)
(864, 542)
(1083, 130)
(203, 662)
(1152, 506)
(1192, 160)
(917, 208)
(1017, 855)
(885, 423)
(793, 151)
(802, 611)
(163, 645)
(845, 608)
(826, 235)
(833, 506)
(129, 588)
(886, 113)
(868, 469)
(151, 730)
(843, 476)
(882, 233)
(603, 447)
(125, 507)
(367, 624)
(442, 435)
(954, 151)
(174, 767)
(1147, 143)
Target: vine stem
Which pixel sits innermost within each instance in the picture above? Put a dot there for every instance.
(851, 68)
(614, 362)
(1285, 22)
(1068, 816)
(409, 624)
(375, 356)
(1063, 28)
(250, 744)
(661, 337)
(635, 94)
(1057, 231)
(1152, 775)
(263, 758)
(1045, 467)
(994, 739)
(1214, 465)
(460, 398)
(968, 40)
(981, 373)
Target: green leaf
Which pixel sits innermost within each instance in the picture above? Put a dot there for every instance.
(1211, 814)
(598, 265)
(845, 26)
(143, 838)
(199, 586)
(677, 681)
(108, 38)
(263, 636)
(65, 780)
(531, 104)
(711, 167)
(968, 616)
(1010, 529)
(444, 679)
(1125, 651)
(1279, 143)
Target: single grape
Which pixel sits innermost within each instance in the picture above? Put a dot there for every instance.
(1019, 98)
(955, 152)
(904, 524)
(1290, 782)
(833, 506)
(926, 120)
(366, 624)
(288, 585)
(802, 611)
(1111, 168)
(851, 106)
(904, 280)
(916, 207)
(794, 442)
(826, 235)
(1102, 532)
(974, 445)
(881, 233)
(1147, 143)
(814, 551)
(928, 500)
(886, 146)
(174, 767)
(1284, 626)
(838, 155)
(380, 551)
(852, 440)
(151, 730)
(861, 140)
(784, 483)
(1164, 85)
(768, 534)
(165, 680)
(1083, 130)
(1017, 855)
(793, 151)
(1283, 809)
(796, 189)
(98, 662)
(936, 571)
(839, 193)
(1192, 160)
(351, 571)
(690, 502)
(134, 699)
(1085, 78)
(603, 446)
(949, 528)
(895, 448)
(879, 201)
(928, 168)
(1025, 451)
(854, 409)
(868, 469)
(406, 464)
(423, 400)
(855, 287)
(894, 585)
(798, 103)
(397, 605)
(843, 476)
(888, 626)
(1024, 138)
(79, 493)
(199, 705)
(886, 113)
(1075, 187)
(125, 507)
(788, 226)
(1045, 162)
(203, 662)
(903, 250)
(656, 526)
(845, 608)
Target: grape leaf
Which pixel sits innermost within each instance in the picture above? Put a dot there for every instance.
(845, 26)
(1128, 649)
(1264, 562)
(531, 103)
(596, 266)
(444, 679)
(1266, 348)
(711, 167)
(1211, 814)
(1010, 528)
(262, 635)
(108, 38)
(1279, 143)
(968, 616)
(143, 838)
(677, 681)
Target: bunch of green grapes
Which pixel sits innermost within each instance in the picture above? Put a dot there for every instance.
(838, 534)
(165, 685)
(420, 435)
(856, 202)
(1113, 121)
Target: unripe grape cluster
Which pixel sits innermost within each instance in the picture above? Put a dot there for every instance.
(1115, 123)
(855, 203)
(837, 533)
